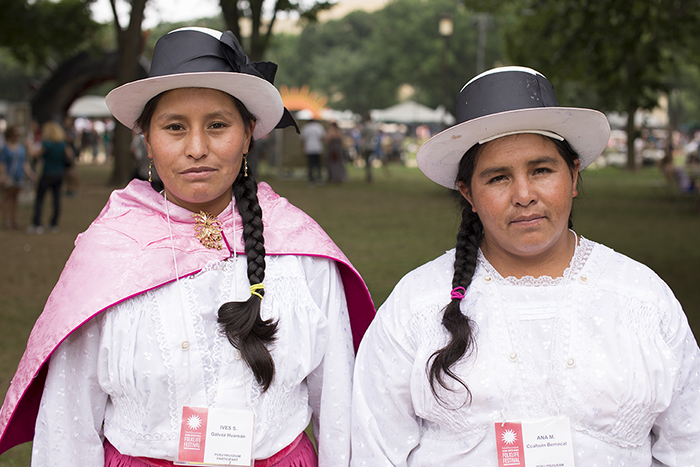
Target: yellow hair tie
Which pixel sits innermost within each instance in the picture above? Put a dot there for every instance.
(254, 288)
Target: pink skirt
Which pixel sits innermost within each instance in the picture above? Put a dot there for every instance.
(300, 453)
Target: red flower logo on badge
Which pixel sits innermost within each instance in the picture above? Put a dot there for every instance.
(194, 422)
(508, 436)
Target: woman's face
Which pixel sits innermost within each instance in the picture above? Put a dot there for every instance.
(197, 139)
(522, 189)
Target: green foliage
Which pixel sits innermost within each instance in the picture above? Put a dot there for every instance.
(684, 98)
(262, 15)
(621, 50)
(35, 31)
(15, 82)
(607, 54)
(362, 60)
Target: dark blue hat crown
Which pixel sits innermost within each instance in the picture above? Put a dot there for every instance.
(506, 89)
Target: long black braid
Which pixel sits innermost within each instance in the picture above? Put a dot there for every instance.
(461, 327)
(240, 321)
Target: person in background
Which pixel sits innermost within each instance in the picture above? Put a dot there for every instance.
(88, 141)
(335, 154)
(72, 179)
(312, 136)
(34, 142)
(108, 139)
(98, 140)
(55, 154)
(207, 324)
(527, 344)
(14, 169)
(368, 143)
(3, 128)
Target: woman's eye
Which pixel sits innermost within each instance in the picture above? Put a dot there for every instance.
(174, 127)
(218, 125)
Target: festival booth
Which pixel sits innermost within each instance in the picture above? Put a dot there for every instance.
(411, 112)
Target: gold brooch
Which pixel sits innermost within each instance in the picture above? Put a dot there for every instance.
(207, 229)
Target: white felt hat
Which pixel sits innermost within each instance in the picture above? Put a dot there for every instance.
(204, 58)
(505, 101)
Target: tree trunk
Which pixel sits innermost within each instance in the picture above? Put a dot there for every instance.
(129, 48)
(231, 14)
(631, 136)
(259, 39)
(255, 52)
(261, 33)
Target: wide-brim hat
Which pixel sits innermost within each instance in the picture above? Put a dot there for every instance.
(204, 58)
(505, 101)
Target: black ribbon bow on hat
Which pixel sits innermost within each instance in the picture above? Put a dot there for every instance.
(240, 63)
(191, 51)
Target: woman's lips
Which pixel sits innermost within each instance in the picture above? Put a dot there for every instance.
(197, 173)
(197, 170)
(528, 220)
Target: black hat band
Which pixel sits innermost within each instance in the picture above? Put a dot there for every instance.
(502, 92)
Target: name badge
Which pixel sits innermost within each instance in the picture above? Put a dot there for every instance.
(214, 437)
(535, 443)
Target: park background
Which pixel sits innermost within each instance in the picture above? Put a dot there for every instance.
(637, 60)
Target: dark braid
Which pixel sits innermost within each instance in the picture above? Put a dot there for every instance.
(461, 327)
(241, 321)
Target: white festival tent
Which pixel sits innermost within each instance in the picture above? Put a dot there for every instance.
(89, 107)
(412, 112)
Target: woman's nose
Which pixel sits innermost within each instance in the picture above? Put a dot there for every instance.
(524, 193)
(196, 144)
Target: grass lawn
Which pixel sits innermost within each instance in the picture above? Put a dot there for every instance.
(386, 229)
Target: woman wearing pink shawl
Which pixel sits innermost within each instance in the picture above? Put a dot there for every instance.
(229, 315)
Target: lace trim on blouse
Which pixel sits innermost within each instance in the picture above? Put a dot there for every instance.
(583, 250)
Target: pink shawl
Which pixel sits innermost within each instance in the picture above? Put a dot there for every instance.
(127, 251)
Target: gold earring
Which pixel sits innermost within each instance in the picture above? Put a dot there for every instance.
(150, 170)
(245, 164)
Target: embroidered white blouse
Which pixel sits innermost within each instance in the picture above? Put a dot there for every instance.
(607, 345)
(125, 376)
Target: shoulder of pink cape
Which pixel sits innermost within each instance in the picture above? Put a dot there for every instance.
(122, 254)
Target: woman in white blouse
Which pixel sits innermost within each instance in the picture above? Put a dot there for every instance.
(527, 344)
(204, 325)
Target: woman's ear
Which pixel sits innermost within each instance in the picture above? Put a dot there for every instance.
(149, 150)
(466, 193)
(249, 135)
(574, 176)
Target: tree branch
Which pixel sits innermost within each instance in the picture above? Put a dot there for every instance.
(113, 4)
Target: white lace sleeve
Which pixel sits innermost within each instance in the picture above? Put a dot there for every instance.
(69, 424)
(677, 429)
(385, 428)
(330, 384)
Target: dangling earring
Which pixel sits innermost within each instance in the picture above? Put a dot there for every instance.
(245, 164)
(150, 170)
